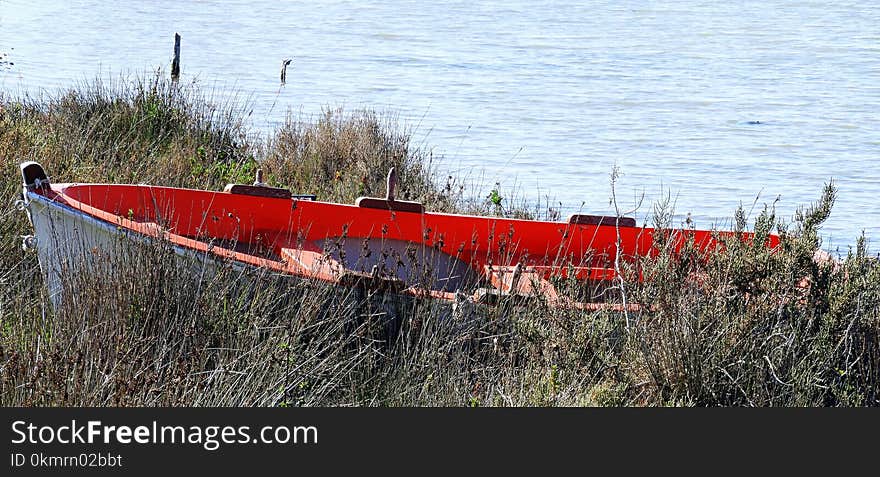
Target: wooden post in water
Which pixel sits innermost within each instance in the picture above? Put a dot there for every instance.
(175, 64)
(284, 64)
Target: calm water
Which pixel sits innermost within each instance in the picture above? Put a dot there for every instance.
(715, 102)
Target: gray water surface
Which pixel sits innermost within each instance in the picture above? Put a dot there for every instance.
(715, 102)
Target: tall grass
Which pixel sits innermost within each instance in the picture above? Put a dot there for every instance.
(747, 327)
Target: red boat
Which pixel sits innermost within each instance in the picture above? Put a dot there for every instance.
(381, 243)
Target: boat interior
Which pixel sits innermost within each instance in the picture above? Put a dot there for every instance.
(399, 246)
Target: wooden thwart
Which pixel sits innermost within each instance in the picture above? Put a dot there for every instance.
(318, 265)
(260, 191)
(520, 280)
(583, 219)
(396, 205)
(389, 202)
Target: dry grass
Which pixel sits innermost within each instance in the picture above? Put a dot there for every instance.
(734, 330)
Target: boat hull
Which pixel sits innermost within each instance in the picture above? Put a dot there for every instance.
(378, 245)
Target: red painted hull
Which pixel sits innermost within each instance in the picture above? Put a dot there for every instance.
(310, 238)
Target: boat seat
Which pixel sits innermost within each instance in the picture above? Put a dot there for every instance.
(584, 219)
(317, 265)
(389, 202)
(259, 191)
(395, 205)
(520, 280)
